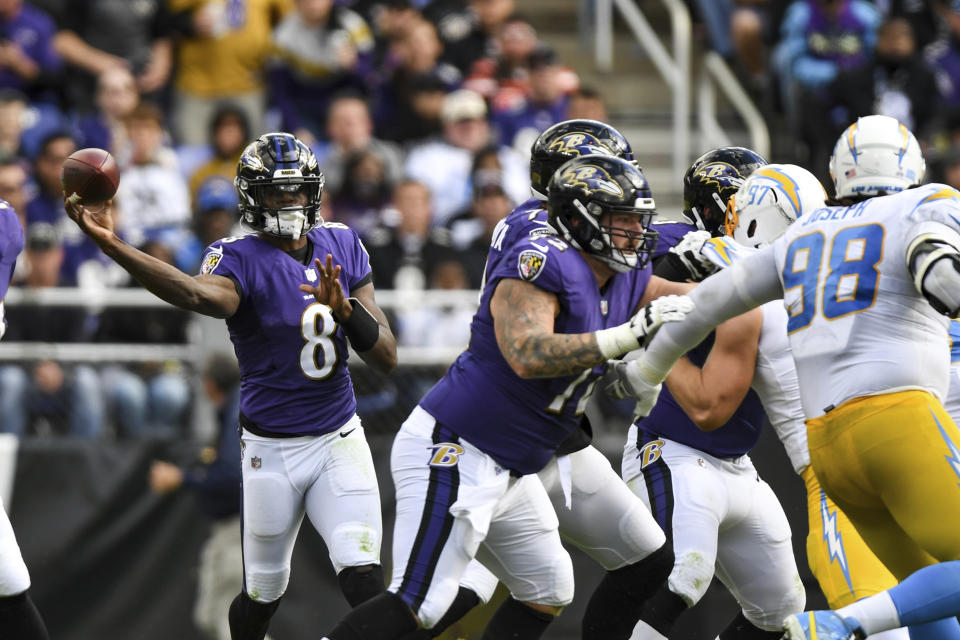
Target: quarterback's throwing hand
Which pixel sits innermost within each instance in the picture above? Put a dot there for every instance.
(664, 309)
(630, 384)
(688, 252)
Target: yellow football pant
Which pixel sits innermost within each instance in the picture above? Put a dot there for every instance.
(839, 558)
(891, 462)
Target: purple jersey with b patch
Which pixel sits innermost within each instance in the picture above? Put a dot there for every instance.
(292, 354)
(521, 422)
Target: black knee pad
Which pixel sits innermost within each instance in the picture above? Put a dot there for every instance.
(359, 584)
(662, 610)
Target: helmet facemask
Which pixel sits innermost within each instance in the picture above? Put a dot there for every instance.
(590, 235)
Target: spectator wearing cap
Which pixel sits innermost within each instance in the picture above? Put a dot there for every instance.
(350, 130)
(46, 397)
(318, 50)
(444, 166)
(28, 61)
(519, 122)
(415, 55)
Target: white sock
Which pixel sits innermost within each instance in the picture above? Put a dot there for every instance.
(875, 614)
(643, 631)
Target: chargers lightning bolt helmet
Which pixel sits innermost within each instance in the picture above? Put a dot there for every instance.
(711, 180)
(771, 199)
(572, 139)
(279, 163)
(583, 190)
(874, 156)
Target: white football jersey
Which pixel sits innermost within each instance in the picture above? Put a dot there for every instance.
(775, 378)
(857, 324)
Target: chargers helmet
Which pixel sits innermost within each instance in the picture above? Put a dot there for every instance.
(572, 139)
(711, 180)
(876, 155)
(279, 162)
(582, 190)
(770, 200)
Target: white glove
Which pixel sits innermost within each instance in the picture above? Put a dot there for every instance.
(630, 384)
(688, 251)
(616, 341)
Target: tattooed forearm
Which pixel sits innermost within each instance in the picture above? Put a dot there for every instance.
(523, 321)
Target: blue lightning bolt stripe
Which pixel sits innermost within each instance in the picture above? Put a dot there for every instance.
(852, 140)
(954, 457)
(833, 538)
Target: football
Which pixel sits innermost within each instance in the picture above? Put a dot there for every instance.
(90, 173)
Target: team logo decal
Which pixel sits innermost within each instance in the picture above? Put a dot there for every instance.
(720, 174)
(531, 264)
(445, 454)
(650, 453)
(311, 275)
(255, 462)
(211, 261)
(591, 179)
(576, 143)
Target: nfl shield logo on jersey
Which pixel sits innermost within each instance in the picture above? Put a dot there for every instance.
(311, 275)
(255, 462)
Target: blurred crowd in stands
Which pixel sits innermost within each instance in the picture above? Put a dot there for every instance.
(421, 113)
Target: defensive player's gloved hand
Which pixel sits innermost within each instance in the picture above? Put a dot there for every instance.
(688, 253)
(630, 384)
(616, 341)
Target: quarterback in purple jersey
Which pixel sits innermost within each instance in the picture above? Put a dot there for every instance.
(294, 294)
(558, 301)
(18, 615)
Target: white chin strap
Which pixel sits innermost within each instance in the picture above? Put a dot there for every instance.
(288, 223)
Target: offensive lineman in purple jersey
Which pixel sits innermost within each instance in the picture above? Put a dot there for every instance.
(689, 459)
(582, 486)
(558, 301)
(19, 617)
(290, 318)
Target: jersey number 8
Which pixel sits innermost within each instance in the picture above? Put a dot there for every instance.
(851, 282)
(318, 357)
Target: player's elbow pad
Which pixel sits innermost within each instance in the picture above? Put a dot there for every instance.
(935, 265)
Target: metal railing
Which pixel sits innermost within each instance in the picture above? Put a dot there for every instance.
(716, 72)
(675, 68)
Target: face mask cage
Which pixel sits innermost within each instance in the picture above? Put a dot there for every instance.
(601, 244)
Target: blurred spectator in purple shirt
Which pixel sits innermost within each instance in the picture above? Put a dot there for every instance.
(28, 61)
(105, 128)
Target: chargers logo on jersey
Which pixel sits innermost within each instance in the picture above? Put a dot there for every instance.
(591, 179)
(954, 457)
(831, 535)
(445, 454)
